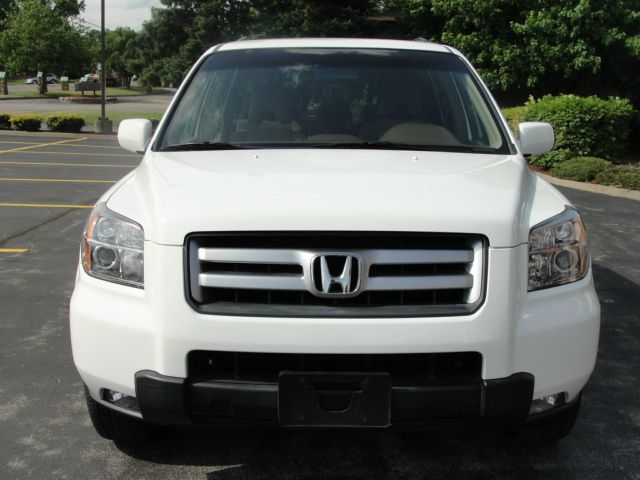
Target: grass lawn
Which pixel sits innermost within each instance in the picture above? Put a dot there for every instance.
(55, 93)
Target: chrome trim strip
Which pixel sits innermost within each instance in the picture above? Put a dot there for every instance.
(252, 282)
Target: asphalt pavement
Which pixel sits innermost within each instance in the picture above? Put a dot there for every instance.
(47, 185)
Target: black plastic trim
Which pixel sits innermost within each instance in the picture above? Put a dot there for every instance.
(177, 401)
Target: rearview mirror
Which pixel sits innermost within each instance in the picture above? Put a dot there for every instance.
(135, 134)
(535, 138)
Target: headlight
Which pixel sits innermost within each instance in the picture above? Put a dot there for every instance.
(558, 252)
(113, 248)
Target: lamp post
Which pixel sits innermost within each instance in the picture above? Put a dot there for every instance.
(103, 124)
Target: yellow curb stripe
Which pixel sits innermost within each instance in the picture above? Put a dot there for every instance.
(54, 180)
(67, 145)
(29, 147)
(13, 250)
(82, 154)
(43, 205)
(55, 164)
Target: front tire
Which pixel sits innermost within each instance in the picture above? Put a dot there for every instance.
(113, 425)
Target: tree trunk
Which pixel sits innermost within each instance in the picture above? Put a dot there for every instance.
(43, 83)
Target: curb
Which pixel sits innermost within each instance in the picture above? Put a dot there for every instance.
(19, 133)
(593, 188)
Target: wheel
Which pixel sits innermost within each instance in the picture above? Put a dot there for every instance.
(113, 425)
(550, 429)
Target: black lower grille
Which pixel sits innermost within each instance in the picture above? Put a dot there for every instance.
(409, 369)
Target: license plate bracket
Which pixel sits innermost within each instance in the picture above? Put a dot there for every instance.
(320, 399)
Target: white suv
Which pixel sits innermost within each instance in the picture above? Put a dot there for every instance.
(328, 233)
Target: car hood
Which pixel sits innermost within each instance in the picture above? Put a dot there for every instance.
(175, 193)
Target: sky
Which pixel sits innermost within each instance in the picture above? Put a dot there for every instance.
(119, 13)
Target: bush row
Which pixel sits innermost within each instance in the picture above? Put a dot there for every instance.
(65, 122)
(599, 170)
(584, 126)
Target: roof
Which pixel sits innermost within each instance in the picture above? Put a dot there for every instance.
(334, 43)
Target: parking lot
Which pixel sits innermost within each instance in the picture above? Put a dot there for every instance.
(48, 185)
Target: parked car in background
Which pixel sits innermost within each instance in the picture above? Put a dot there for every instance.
(90, 77)
(51, 78)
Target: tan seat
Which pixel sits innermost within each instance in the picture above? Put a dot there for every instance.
(419, 134)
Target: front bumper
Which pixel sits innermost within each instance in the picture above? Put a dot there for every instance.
(118, 331)
(177, 401)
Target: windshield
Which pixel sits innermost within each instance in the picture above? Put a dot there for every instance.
(333, 98)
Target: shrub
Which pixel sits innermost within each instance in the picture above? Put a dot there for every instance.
(65, 122)
(581, 169)
(627, 176)
(513, 116)
(5, 121)
(28, 122)
(584, 126)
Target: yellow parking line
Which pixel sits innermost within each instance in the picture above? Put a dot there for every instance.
(75, 153)
(13, 250)
(38, 145)
(43, 205)
(54, 164)
(54, 180)
(67, 145)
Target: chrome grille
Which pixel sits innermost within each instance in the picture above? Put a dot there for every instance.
(273, 274)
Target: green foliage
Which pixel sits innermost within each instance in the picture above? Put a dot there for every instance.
(544, 46)
(123, 54)
(581, 169)
(5, 121)
(321, 18)
(28, 122)
(584, 126)
(514, 116)
(177, 35)
(38, 36)
(627, 176)
(65, 122)
(5, 5)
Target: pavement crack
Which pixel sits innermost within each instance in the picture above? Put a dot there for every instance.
(47, 221)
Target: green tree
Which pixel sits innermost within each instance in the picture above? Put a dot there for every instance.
(180, 32)
(37, 37)
(5, 6)
(318, 18)
(538, 46)
(122, 54)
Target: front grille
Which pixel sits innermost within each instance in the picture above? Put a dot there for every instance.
(388, 274)
(405, 369)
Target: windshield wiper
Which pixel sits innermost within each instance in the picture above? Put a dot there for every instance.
(202, 146)
(403, 146)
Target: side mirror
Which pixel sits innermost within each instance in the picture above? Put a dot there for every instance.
(135, 134)
(535, 138)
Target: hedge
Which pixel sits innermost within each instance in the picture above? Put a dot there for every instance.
(28, 122)
(581, 169)
(584, 126)
(627, 176)
(65, 123)
(514, 117)
(5, 121)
